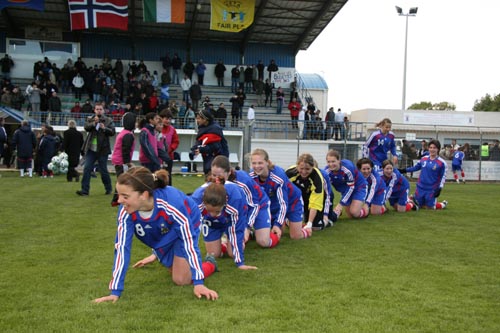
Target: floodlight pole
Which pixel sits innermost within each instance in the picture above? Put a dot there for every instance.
(412, 12)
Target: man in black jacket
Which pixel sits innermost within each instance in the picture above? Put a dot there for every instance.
(97, 149)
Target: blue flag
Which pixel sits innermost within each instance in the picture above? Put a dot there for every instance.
(32, 4)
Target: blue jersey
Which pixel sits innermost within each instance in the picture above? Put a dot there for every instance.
(347, 180)
(378, 145)
(458, 157)
(232, 220)
(257, 200)
(397, 184)
(285, 197)
(376, 189)
(432, 175)
(175, 222)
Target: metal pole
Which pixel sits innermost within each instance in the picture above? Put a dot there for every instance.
(403, 107)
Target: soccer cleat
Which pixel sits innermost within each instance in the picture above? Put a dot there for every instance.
(211, 259)
(82, 194)
(444, 203)
(458, 181)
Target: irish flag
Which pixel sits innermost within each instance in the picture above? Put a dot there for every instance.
(164, 11)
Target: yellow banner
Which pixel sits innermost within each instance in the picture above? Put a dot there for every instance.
(231, 15)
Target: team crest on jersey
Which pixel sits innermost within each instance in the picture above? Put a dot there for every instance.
(164, 229)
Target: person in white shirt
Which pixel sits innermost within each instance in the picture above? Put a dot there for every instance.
(300, 122)
(251, 118)
(185, 85)
(339, 125)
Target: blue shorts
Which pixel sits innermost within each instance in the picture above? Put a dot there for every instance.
(400, 198)
(263, 219)
(166, 254)
(456, 167)
(378, 199)
(212, 234)
(359, 194)
(295, 211)
(425, 198)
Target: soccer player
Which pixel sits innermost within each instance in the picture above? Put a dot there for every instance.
(380, 143)
(376, 187)
(347, 180)
(164, 219)
(259, 215)
(224, 211)
(286, 199)
(309, 180)
(431, 179)
(398, 188)
(456, 164)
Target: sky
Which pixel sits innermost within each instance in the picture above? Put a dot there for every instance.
(453, 54)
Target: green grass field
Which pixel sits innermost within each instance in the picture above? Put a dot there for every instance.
(426, 271)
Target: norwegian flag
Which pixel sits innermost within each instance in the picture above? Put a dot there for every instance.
(88, 14)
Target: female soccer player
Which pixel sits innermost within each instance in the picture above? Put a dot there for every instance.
(376, 187)
(380, 143)
(398, 188)
(431, 179)
(164, 219)
(456, 163)
(223, 209)
(259, 215)
(286, 199)
(347, 180)
(310, 181)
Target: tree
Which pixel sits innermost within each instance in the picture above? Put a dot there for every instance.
(429, 106)
(421, 106)
(487, 103)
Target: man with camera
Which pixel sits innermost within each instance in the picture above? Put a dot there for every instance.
(97, 149)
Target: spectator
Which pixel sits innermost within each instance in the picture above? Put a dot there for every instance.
(6, 64)
(210, 141)
(76, 108)
(97, 148)
(272, 67)
(235, 78)
(24, 142)
(221, 115)
(195, 95)
(73, 143)
(200, 71)
(169, 133)
(219, 71)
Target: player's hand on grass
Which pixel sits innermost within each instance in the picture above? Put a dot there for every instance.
(109, 298)
(145, 261)
(200, 291)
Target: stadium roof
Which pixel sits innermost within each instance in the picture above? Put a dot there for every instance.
(313, 81)
(293, 23)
